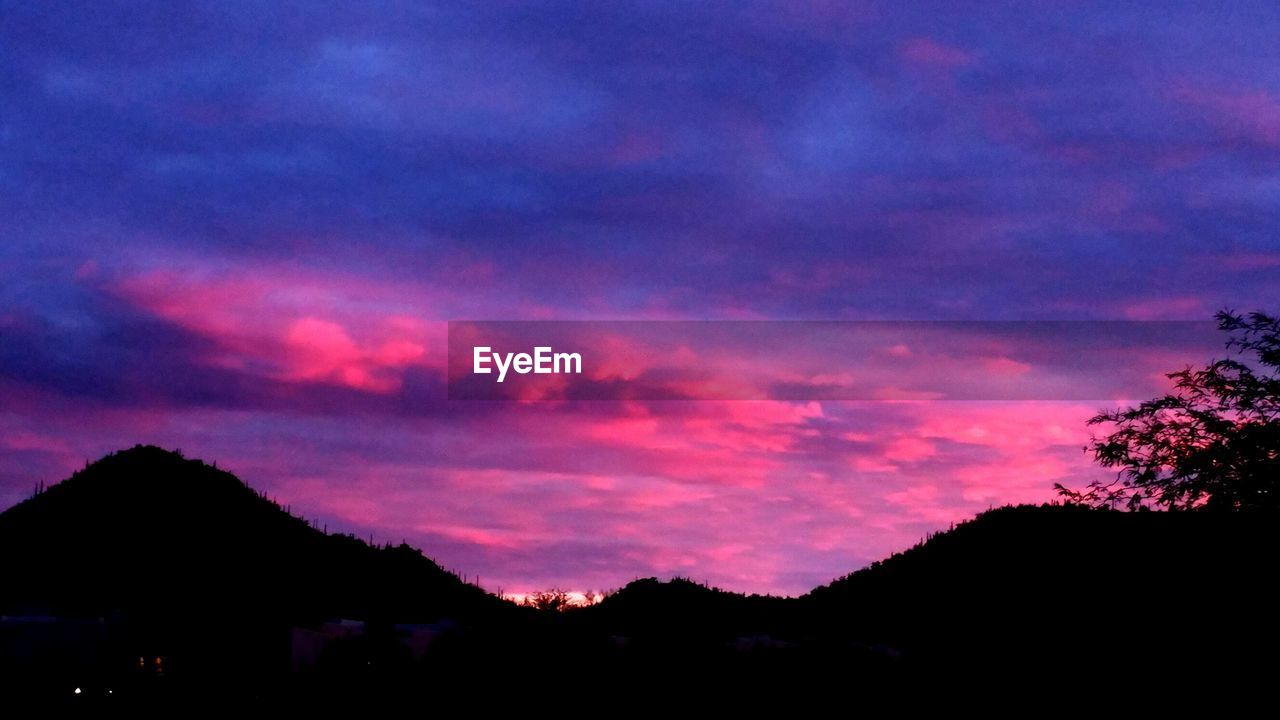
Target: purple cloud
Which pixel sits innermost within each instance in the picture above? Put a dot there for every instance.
(240, 231)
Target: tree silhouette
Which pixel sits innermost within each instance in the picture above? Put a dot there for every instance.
(1213, 443)
(554, 600)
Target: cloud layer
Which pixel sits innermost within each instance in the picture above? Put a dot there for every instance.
(240, 231)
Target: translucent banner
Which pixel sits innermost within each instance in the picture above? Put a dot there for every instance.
(821, 360)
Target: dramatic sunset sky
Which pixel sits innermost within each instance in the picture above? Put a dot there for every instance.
(239, 231)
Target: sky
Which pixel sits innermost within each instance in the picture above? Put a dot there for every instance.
(240, 230)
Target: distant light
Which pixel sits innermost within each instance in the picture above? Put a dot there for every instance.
(77, 691)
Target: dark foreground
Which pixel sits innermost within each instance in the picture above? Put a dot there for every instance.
(152, 580)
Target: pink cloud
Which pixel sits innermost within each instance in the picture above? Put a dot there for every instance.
(909, 449)
(743, 494)
(1247, 113)
(1005, 367)
(25, 440)
(322, 350)
(266, 323)
(750, 495)
(923, 502)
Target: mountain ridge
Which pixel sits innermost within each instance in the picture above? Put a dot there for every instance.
(187, 562)
(146, 509)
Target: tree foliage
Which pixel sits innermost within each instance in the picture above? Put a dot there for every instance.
(1211, 443)
(554, 600)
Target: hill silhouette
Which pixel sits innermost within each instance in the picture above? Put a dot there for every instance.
(180, 560)
(1060, 588)
(146, 526)
(1018, 598)
(148, 557)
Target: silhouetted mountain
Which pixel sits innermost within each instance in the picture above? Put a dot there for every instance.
(680, 609)
(179, 560)
(146, 558)
(1038, 590)
(1019, 597)
(146, 528)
